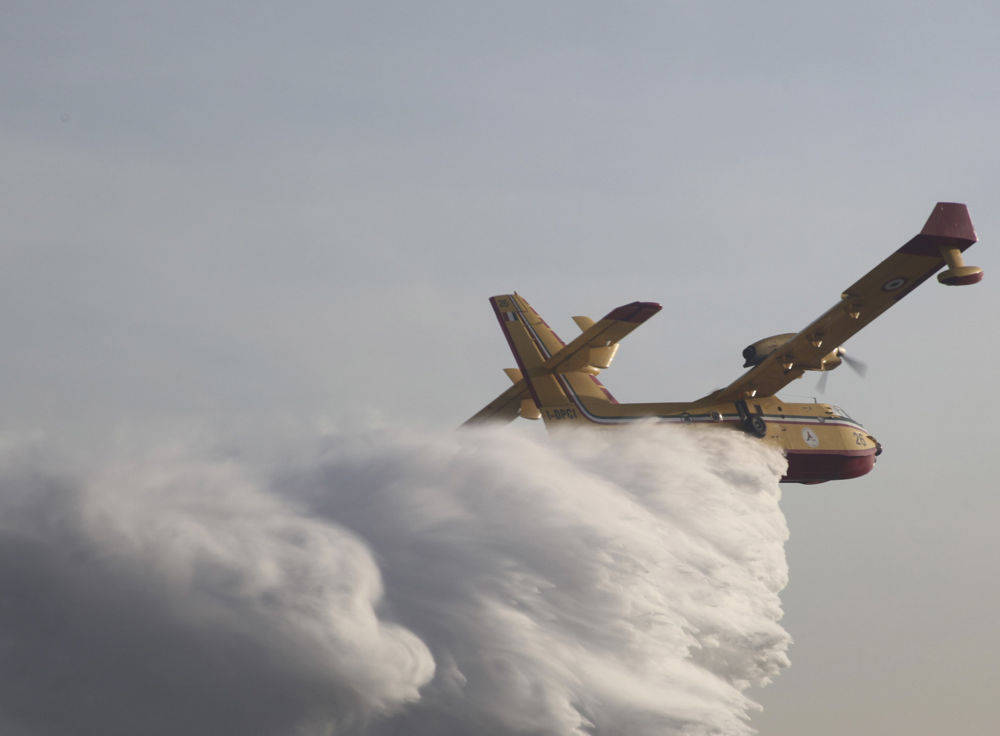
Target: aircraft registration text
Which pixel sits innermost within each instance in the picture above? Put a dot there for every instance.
(560, 413)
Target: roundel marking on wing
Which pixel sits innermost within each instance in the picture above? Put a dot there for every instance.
(893, 284)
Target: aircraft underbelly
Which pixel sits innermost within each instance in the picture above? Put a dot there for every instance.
(817, 466)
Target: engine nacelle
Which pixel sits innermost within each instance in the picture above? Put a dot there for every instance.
(755, 354)
(828, 362)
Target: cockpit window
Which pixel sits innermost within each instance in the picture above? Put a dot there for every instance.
(840, 411)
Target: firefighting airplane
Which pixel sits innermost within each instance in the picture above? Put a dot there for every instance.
(558, 382)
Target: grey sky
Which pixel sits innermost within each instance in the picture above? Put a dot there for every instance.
(247, 212)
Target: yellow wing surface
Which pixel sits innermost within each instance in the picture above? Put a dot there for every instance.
(504, 408)
(541, 354)
(947, 233)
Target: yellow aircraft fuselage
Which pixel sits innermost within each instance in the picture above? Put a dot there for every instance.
(820, 441)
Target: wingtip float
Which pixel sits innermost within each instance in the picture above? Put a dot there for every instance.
(948, 232)
(557, 382)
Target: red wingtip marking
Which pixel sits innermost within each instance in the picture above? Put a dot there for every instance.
(635, 312)
(949, 225)
(950, 220)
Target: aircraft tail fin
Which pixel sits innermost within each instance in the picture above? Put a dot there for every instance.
(559, 379)
(531, 342)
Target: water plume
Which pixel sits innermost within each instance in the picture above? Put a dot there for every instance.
(389, 582)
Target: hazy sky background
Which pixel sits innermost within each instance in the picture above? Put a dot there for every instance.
(251, 214)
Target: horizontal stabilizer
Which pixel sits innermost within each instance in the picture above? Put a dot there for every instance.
(504, 408)
(593, 349)
(541, 355)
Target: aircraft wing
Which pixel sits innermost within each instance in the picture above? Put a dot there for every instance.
(504, 408)
(948, 227)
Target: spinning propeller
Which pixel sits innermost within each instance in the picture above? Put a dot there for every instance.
(856, 365)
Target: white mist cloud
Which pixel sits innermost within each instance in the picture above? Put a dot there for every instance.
(464, 582)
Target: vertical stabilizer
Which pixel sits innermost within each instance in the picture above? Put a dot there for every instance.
(527, 352)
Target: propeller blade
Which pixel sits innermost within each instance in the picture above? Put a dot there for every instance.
(858, 366)
(821, 384)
